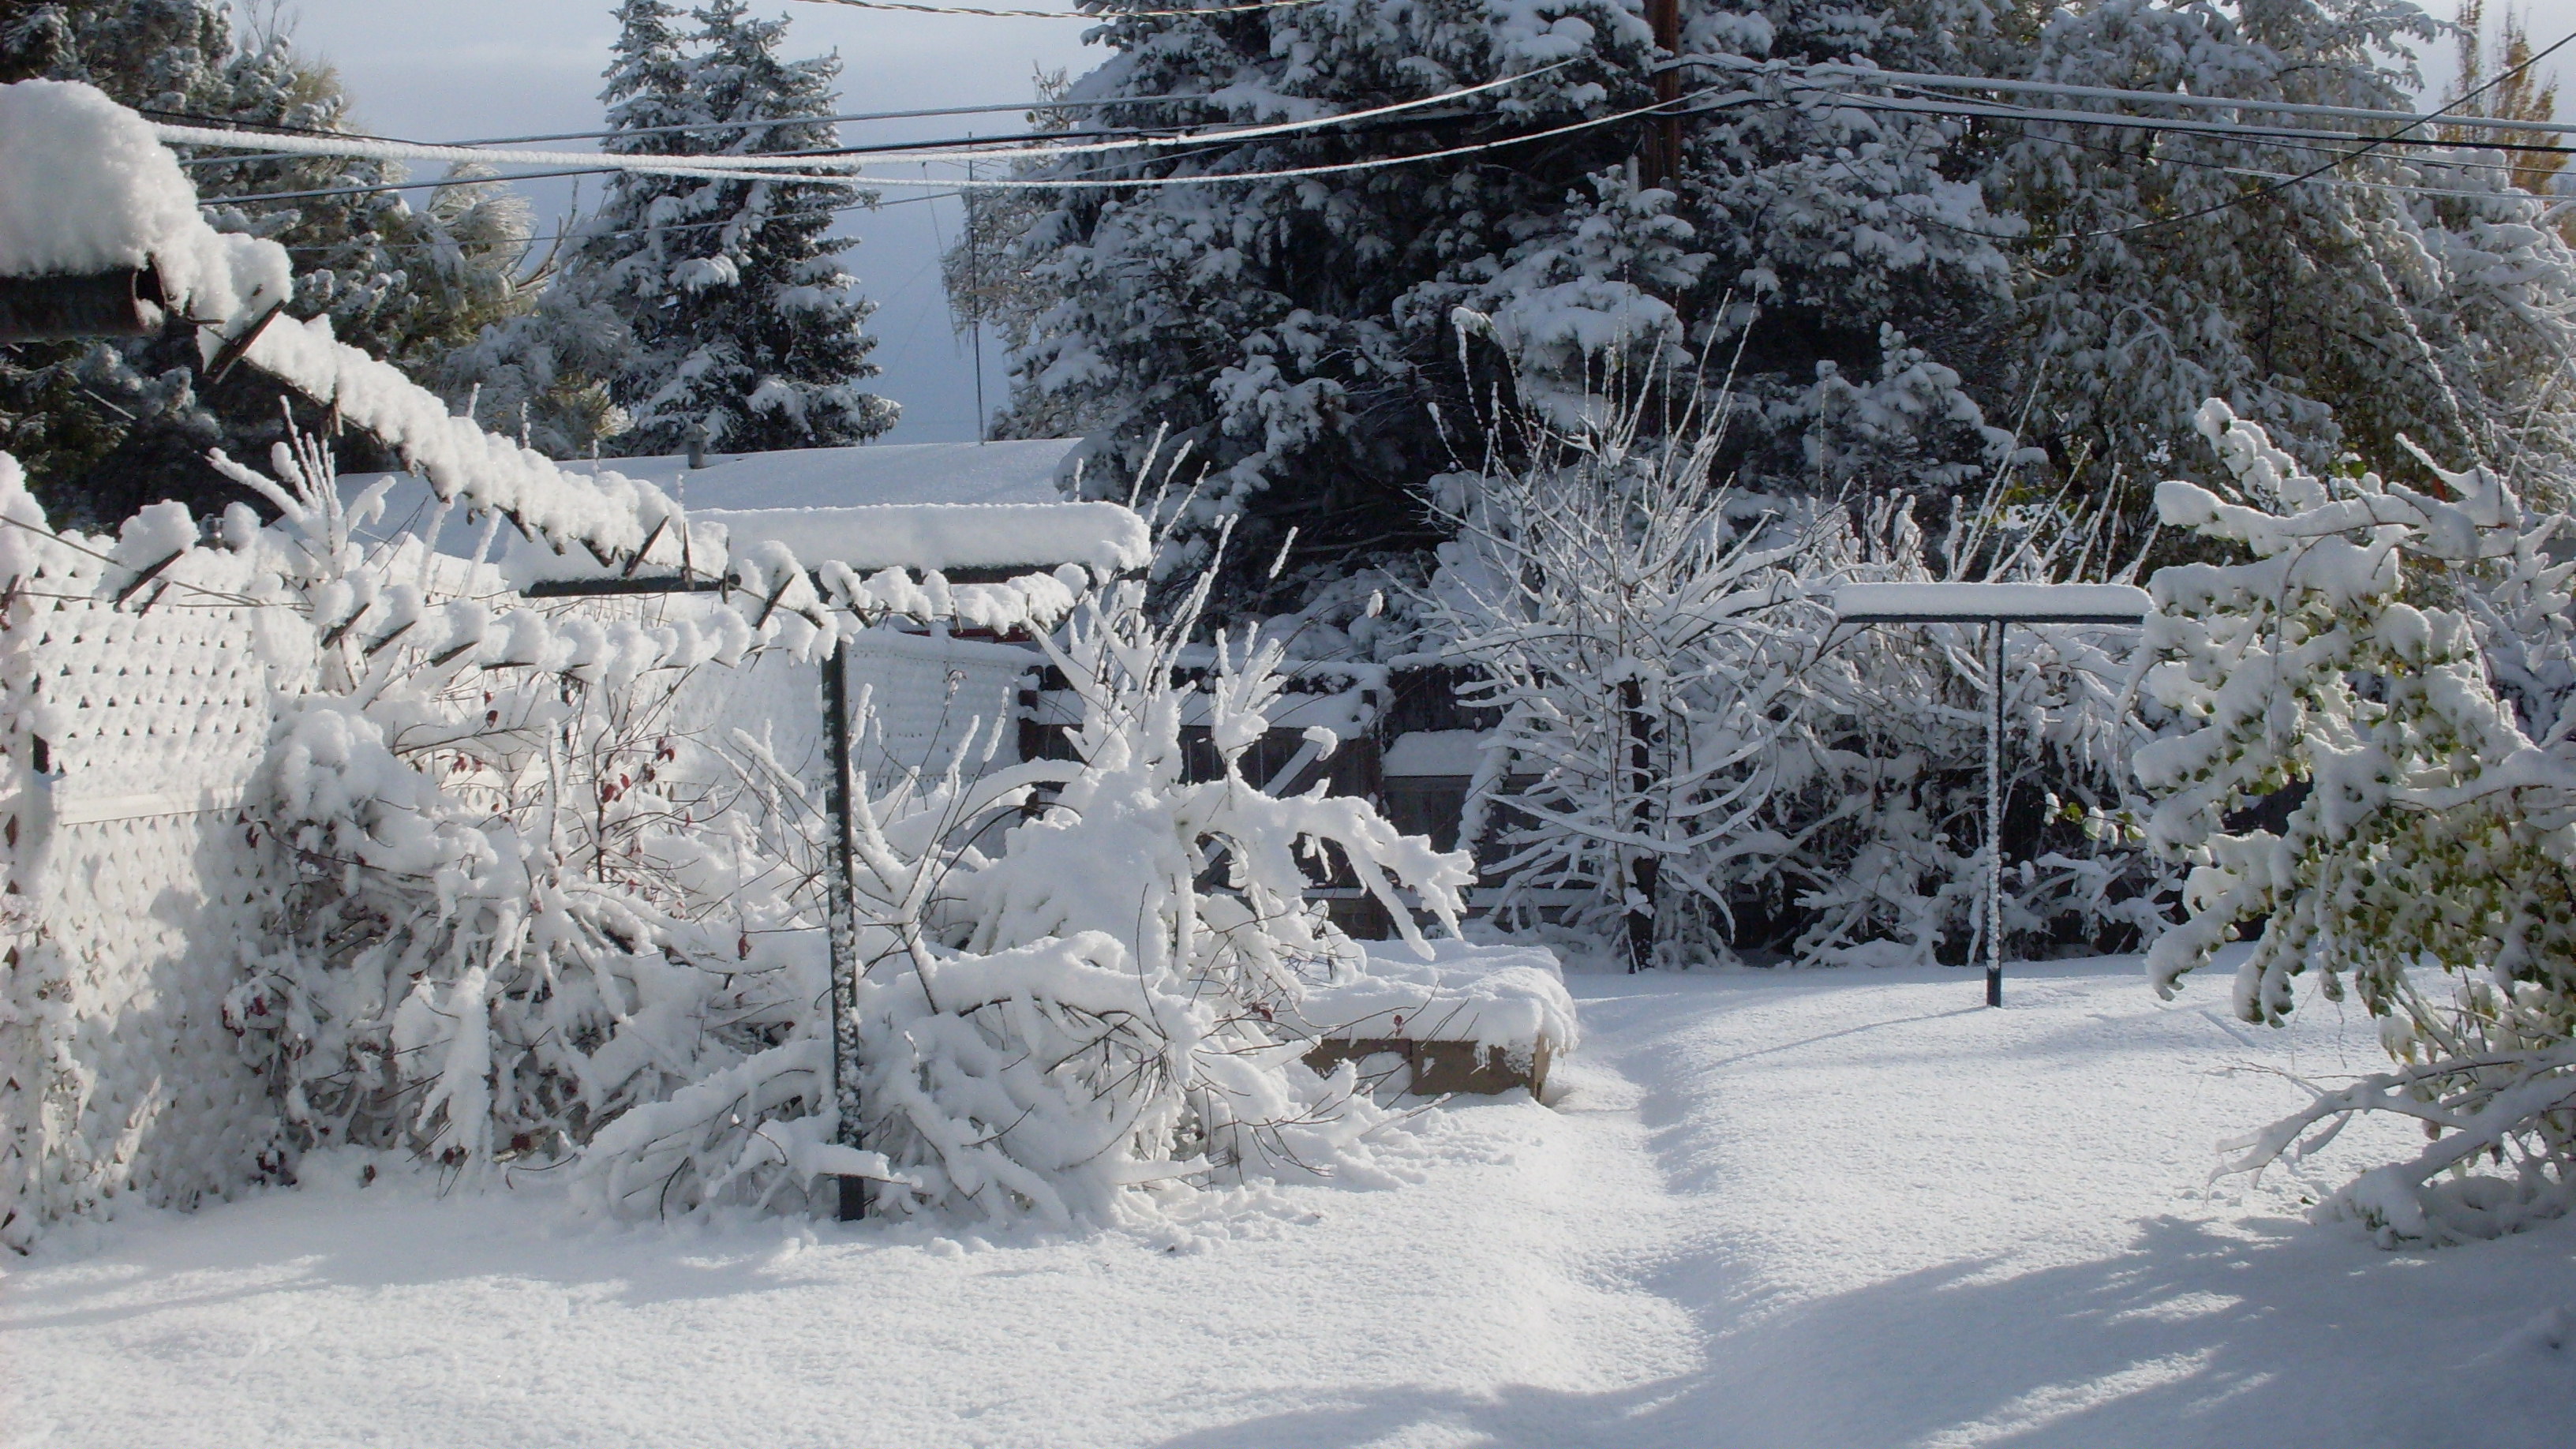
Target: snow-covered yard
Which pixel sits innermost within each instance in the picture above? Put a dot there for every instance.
(1825, 1208)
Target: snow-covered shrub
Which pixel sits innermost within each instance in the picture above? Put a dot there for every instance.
(2407, 661)
(528, 898)
(546, 914)
(1687, 737)
(1111, 997)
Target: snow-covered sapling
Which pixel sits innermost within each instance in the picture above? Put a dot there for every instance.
(2406, 661)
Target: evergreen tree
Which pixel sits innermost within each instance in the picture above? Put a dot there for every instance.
(106, 427)
(1299, 330)
(738, 323)
(1893, 300)
(2414, 294)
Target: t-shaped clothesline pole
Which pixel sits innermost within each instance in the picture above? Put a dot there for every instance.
(1997, 606)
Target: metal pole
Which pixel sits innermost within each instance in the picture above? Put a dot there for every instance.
(975, 289)
(1644, 867)
(1995, 818)
(841, 889)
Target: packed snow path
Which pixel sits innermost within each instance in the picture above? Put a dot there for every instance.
(1828, 1208)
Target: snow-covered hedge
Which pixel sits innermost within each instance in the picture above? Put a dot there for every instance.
(2406, 660)
(528, 894)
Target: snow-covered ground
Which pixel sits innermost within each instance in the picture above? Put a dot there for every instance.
(1826, 1208)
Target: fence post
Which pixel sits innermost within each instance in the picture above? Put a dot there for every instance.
(1995, 819)
(843, 902)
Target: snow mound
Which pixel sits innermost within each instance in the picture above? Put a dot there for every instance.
(1495, 996)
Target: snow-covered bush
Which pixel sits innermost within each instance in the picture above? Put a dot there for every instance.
(527, 898)
(2406, 661)
(1688, 740)
(547, 914)
(1112, 997)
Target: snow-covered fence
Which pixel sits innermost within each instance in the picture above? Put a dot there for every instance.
(136, 886)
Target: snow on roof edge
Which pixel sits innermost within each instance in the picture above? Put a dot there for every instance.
(1106, 537)
(1978, 601)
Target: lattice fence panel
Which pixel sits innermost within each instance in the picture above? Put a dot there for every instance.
(133, 892)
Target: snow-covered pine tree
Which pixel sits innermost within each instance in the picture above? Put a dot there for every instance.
(1296, 329)
(105, 428)
(744, 330)
(556, 370)
(2381, 293)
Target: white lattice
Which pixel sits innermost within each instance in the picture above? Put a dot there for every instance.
(134, 888)
(927, 694)
(137, 887)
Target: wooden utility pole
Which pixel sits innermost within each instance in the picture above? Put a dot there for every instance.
(1663, 149)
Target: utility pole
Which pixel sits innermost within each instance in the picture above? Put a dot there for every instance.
(1663, 149)
(975, 290)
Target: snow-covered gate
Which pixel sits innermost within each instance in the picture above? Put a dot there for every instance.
(132, 886)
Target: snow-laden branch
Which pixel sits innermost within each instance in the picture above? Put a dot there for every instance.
(2407, 662)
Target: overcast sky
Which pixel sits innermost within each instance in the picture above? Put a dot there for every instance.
(462, 69)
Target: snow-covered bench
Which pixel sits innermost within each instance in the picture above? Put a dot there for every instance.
(1473, 1018)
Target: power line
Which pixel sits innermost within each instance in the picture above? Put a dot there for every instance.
(2258, 194)
(654, 230)
(2174, 98)
(852, 118)
(2398, 187)
(1096, 17)
(777, 178)
(732, 166)
(2002, 110)
(1339, 168)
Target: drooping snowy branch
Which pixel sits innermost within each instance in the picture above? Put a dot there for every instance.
(2401, 660)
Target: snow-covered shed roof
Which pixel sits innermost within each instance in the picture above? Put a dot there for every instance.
(2037, 603)
(1016, 471)
(953, 507)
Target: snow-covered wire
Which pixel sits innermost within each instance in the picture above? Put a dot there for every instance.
(748, 167)
(2372, 144)
(1338, 168)
(2173, 98)
(847, 118)
(1096, 17)
(2001, 110)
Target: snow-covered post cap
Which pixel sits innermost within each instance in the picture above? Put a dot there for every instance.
(86, 189)
(1935, 603)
